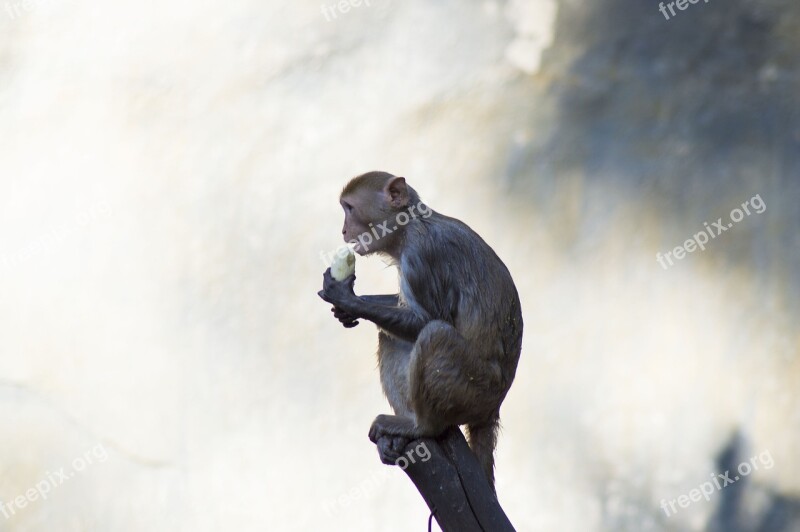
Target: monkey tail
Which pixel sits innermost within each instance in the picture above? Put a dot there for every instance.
(482, 440)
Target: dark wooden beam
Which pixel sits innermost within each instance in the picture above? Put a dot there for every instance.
(454, 486)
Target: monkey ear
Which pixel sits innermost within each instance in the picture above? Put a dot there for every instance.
(396, 192)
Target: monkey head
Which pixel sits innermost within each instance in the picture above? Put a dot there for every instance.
(376, 206)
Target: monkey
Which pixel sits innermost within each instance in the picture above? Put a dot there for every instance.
(449, 342)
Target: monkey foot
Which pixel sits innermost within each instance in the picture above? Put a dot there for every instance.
(391, 434)
(390, 448)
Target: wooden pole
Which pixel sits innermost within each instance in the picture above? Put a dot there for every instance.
(454, 486)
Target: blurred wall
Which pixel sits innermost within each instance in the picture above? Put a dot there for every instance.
(168, 180)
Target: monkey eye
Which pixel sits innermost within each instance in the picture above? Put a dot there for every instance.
(347, 206)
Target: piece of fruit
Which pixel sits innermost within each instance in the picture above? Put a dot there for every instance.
(344, 263)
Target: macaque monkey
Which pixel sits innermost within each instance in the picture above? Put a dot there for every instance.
(449, 342)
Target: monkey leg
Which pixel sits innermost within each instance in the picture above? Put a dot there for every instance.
(449, 385)
(451, 382)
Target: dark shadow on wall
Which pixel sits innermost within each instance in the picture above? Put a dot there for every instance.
(695, 114)
(743, 505)
(689, 117)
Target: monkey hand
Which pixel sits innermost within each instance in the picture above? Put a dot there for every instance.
(344, 318)
(339, 293)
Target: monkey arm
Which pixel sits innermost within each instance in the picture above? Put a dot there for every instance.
(349, 320)
(389, 300)
(403, 322)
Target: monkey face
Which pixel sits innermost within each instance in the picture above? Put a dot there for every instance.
(363, 209)
(371, 205)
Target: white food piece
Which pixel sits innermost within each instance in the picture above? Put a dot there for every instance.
(344, 263)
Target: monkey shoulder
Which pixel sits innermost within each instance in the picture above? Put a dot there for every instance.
(446, 269)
